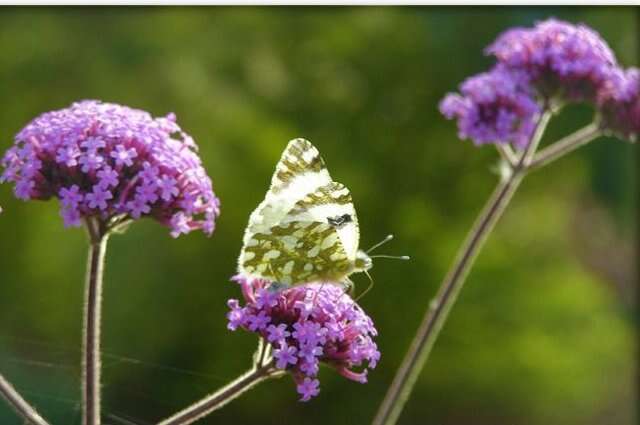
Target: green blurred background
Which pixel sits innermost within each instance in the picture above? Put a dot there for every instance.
(544, 332)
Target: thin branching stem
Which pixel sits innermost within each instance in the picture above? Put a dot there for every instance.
(19, 404)
(565, 146)
(536, 138)
(507, 154)
(231, 391)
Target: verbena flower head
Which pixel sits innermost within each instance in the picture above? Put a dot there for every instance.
(620, 105)
(561, 59)
(308, 325)
(494, 107)
(107, 160)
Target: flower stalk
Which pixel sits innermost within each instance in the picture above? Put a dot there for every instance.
(439, 308)
(91, 363)
(507, 154)
(19, 404)
(565, 145)
(262, 369)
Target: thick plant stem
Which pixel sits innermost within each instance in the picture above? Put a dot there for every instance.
(565, 145)
(224, 395)
(439, 308)
(91, 323)
(19, 404)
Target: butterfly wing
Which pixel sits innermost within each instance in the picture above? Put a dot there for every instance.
(296, 252)
(315, 241)
(306, 228)
(301, 170)
(331, 204)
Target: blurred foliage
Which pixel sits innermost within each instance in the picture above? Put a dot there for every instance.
(539, 336)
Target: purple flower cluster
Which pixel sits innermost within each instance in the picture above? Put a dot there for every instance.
(552, 63)
(494, 107)
(107, 160)
(307, 325)
(560, 59)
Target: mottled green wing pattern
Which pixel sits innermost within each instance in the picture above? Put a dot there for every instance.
(306, 229)
(296, 252)
(334, 194)
(331, 204)
(300, 158)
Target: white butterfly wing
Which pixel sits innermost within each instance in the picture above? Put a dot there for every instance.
(301, 170)
(306, 227)
(331, 204)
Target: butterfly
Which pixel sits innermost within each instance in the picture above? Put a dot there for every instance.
(306, 229)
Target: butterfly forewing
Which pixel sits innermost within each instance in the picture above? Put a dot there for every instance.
(300, 170)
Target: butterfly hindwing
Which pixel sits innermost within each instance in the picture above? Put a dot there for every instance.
(296, 252)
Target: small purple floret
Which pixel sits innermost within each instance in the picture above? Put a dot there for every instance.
(308, 325)
(277, 333)
(123, 156)
(108, 177)
(106, 160)
(308, 388)
(98, 197)
(285, 355)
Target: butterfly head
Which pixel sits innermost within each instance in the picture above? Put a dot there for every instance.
(363, 262)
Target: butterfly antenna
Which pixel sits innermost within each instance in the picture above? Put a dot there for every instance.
(394, 257)
(382, 242)
(368, 287)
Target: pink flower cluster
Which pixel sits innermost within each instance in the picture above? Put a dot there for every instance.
(554, 62)
(103, 159)
(307, 325)
(562, 60)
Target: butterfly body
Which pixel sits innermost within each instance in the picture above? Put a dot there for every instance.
(306, 228)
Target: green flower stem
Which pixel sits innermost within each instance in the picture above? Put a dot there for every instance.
(536, 138)
(507, 154)
(19, 404)
(98, 236)
(565, 146)
(439, 308)
(224, 395)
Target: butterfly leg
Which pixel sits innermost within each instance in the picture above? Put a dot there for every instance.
(315, 296)
(368, 287)
(349, 286)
